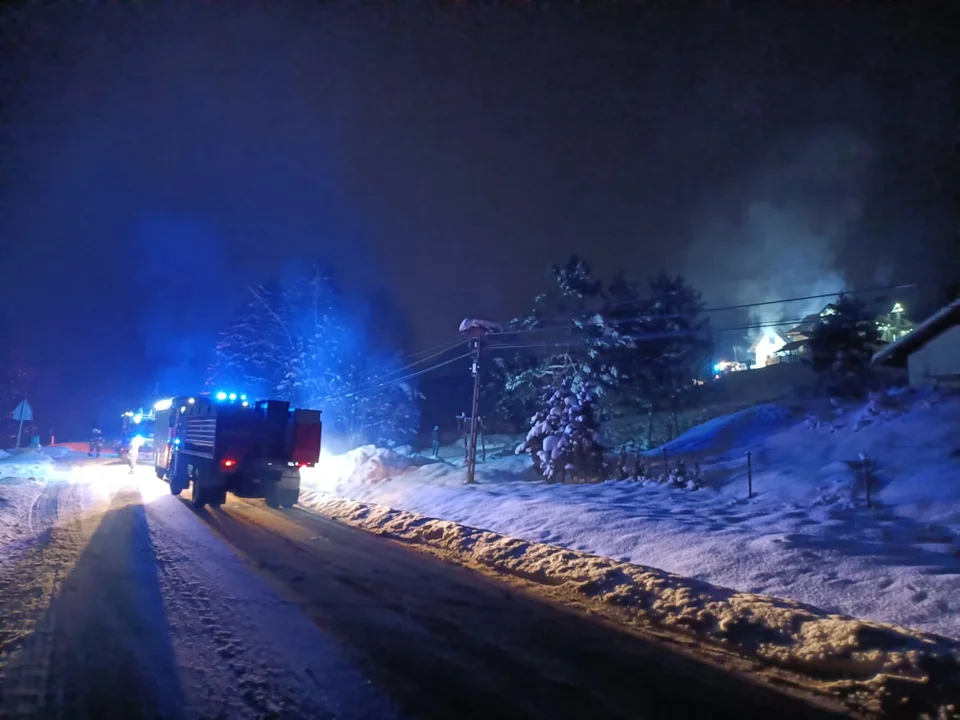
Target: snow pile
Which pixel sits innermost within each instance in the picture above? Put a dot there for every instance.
(363, 466)
(864, 664)
(731, 432)
(807, 535)
(24, 464)
(480, 324)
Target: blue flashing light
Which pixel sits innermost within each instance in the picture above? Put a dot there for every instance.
(221, 395)
(717, 367)
(137, 418)
(176, 441)
(233, 396)
(243, 397)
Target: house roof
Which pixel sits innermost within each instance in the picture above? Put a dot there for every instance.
(923, 333)
(791, 346)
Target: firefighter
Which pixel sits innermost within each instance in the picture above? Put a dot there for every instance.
(436, 440)
(96, 443)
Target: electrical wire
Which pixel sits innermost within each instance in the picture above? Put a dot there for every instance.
(441, 348)
(576, 342)
(744, 306)
(364, 391)
(373, 379)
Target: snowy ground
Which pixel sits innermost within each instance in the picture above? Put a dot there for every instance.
(808, 535)
(117, 601)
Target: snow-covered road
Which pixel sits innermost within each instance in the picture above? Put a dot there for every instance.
(127, 603)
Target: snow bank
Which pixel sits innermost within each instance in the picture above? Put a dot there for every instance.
(807, 535)
(24, 464)
(866, 665)
(730, 432)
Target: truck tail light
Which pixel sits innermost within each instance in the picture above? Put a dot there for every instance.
(228, 463)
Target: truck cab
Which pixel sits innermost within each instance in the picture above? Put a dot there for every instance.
(223, 443)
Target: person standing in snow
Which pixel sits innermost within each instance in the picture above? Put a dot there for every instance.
(436, 441)
(133, 451)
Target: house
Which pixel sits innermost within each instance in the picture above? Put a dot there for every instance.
(764, 347)
(895, 325)
(891, 327)
(931, 351)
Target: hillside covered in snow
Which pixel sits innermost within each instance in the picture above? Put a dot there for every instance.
(807, 534)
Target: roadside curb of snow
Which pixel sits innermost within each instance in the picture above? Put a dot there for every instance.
(871, 667)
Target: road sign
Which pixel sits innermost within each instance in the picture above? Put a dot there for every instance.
(23, 411)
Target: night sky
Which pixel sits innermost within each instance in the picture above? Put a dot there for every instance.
(158, 156)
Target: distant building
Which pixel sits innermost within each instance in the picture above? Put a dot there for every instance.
(892, 327)
(895, 325)
(765, 347)
(930, 351)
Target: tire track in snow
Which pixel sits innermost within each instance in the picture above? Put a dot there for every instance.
(45, 510)
(242, 649)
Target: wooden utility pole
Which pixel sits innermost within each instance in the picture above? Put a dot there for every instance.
(476, 330)
(472, 453)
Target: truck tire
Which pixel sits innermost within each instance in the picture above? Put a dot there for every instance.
(199, 496)
(289, 498)
(175, 488)
(218, 497)
(272, 498)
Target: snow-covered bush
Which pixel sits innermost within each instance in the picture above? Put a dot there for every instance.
(563, 439)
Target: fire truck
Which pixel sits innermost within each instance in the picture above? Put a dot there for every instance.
(225, 443)
(137, 426)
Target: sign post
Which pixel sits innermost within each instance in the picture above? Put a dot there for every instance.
(22, 412)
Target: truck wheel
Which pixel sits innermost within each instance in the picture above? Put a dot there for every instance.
(289, 498)
(219, 497)
(199, 496)
(272, 498)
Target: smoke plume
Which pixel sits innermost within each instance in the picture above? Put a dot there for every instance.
(780, 234)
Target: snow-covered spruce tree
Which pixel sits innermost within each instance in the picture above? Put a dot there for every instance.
(296, 340)
(563, 439)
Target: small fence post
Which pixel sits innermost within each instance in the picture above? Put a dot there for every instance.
(866, 478)
(749, 474)
(666, 469)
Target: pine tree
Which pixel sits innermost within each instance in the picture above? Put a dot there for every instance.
(842, 344)
(563, 438)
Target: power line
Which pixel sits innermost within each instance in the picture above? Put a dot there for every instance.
(576, 342)
(373, 380)
(744, 306)
(441, 348)
(364, 391)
